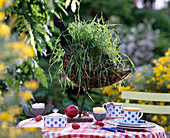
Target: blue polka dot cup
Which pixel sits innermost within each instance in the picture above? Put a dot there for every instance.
(131, 115)
(113, 109)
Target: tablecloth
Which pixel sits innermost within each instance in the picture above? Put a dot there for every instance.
(86, 132)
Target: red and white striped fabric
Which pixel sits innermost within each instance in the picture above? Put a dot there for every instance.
(86, 132)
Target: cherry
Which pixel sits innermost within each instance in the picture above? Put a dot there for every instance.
(75, 126)
(100, 123)
(38, 118)
(86, 114)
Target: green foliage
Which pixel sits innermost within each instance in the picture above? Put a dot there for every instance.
(40, 76)
(160, 17)
(32, 18)
(91, 41)
(95, 38)
(117, 7)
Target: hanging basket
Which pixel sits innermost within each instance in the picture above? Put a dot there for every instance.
(94, 79)
(87, 62)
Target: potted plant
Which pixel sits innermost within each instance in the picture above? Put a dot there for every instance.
(92, 56)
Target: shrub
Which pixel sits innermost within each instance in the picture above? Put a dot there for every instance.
(139, 42)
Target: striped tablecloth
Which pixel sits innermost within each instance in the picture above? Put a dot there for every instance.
(86, 132)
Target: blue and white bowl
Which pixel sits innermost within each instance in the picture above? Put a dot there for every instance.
(55, 121)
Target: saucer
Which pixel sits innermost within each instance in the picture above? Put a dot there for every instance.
(121, 122)
(143, 125)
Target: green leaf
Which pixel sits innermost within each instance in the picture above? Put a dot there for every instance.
(16, 86)
(40, 76)
(9, 81)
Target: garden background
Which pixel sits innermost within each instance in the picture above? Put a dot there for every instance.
(29, 74)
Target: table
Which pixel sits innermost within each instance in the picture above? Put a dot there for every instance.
(86, 132)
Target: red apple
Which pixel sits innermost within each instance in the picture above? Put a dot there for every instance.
(38, 118)
(75, 126)
(86, 114)
(100, 123)
(71, 111)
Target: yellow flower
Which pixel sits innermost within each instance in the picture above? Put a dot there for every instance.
(105, 101)
(117, 92)
(168, 86)
(159, 83)
(138, 74)
(155, 118)
(155, 62)
(5, 31)
(150, 103)
(21, 50)
(161, 103)
(5, 116)
(139, 101)
(2, 16)
(166, 129)
(2, 67)
(4, 124)
(14, 110)
(167, 53)
(27, 84)
(27, 95)
(118, 101)
(119, 96)
(153, 79)
(163, 60)
(28, 51)
(164, 118)
(131, 84)
(124, 88)
(34, 85)
(1, 3)
(162, 122)
(143, 103)
(106, 90)
(147, 81)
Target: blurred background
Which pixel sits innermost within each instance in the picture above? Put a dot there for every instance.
(144, 30)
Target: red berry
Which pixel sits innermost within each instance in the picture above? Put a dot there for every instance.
(75, 126)
(86, 114)
(71, 111)
(38, 118)
(100, 123)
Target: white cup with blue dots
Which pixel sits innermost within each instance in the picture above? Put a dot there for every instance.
(131, 115)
